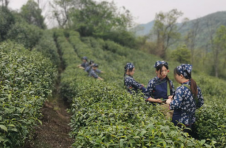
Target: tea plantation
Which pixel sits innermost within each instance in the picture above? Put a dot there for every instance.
(103, 114)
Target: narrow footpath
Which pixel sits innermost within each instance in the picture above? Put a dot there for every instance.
(54, 131)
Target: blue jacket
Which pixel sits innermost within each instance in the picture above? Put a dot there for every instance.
(184, 105)
(93, 74)
(84, 65)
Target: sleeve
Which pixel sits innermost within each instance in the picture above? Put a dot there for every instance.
(149, 88)
(172, 91)
(98, 71)
(93, 74)
(87, 68)
(87, 64)
(83, 65)
(177, 99)
(136, 84)
(200, 99)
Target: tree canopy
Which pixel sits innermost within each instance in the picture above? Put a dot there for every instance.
(33, 14)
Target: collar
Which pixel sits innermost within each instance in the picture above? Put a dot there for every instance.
(186, 82)
(159, 79)
(128, 76)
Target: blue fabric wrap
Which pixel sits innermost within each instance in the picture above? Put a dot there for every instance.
(160, 90)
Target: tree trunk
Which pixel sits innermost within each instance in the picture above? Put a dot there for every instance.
(216, 63)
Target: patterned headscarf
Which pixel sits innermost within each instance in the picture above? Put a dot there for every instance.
(129, 66)
(95, 65)
(157, 63)
(185, 70)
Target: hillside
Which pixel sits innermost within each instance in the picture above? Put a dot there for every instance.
(143, 29)
(208, 23)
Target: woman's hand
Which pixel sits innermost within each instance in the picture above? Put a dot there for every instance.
(168, 101)
(170, 97)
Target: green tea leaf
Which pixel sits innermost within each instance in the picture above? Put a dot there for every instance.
(3, 127)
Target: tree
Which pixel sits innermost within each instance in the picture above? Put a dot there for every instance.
(165, 30)
(191, 37)
(99, 18)
(61, 9)
(90, 17)
(219, 46)
(181, 55)
(33, 14)
(6, 21)
(5, 3)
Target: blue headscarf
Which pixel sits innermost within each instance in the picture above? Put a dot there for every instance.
(185, 70)
(157, 63)
(85, 58)
(129, 66)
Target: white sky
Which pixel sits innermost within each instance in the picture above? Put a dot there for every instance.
(144, 10)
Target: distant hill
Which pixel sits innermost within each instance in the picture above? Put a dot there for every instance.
(143, 29)
(214, 20)
(209, 23)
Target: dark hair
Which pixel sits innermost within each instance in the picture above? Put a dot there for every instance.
(193, 85)
(160, 68)
(130, 69)
(91, 62)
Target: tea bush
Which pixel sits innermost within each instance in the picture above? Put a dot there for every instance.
(69, 60)
(47, 47)
(26, 81)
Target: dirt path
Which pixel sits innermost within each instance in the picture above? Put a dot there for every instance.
(54, 131)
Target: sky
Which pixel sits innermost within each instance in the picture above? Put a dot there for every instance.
(144, 10)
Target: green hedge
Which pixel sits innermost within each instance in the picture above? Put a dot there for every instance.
(47, 47)
(70, 61)
(26, 81)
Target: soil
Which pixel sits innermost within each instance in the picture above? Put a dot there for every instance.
(54, 131)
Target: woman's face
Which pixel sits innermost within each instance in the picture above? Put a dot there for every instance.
(131, 73)
(178, 78)
(164, 73)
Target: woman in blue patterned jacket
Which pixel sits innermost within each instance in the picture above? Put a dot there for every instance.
(187, 98)
(131, 85)
(161, 87)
